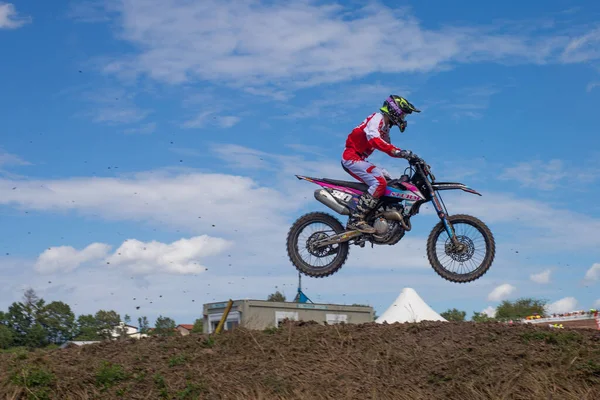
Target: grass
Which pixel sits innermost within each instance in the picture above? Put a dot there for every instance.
(37, 381)
(110, 374)
(179, 359)
(557, 337)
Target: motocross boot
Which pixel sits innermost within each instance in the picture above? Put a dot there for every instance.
(356, 221)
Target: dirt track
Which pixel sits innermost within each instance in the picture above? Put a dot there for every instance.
(308, 361)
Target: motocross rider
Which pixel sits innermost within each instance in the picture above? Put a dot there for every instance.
(374, 133)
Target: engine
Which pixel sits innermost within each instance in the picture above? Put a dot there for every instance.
(387, 231)
(381, 226)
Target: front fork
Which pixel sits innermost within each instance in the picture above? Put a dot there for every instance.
(458, 246)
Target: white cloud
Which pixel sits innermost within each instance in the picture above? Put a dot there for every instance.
(305, 148)
(11, 159)
(9, 18)
(192, 200)
(245, 158)
(501, 292)
(591, 86)
(198, 121)
(180, 257)
(67, 258)
(489, 311)
(593, 274)
(583, 48)
(536, 174)
(228, 121)
(342, 101)
(204, 119)
(597, 303)
(235, 208)
(564, 305)
(143, 129)
(119, 115)
(541, 277)
(543, 175)
(114, 106)
(279, 95)
(207, 108)
(88, 10)
(473, 101)
(313, 43)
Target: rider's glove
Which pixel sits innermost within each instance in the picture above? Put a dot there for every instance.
(406, 154)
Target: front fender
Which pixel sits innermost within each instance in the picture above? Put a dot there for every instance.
(453, 186)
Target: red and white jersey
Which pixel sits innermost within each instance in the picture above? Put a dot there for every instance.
(373, 133)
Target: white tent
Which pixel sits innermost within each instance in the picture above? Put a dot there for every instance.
(409, 307)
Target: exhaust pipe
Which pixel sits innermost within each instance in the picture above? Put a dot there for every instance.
(326, 198)
(395, 215)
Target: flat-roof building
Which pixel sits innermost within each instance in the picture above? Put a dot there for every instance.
(261, 314)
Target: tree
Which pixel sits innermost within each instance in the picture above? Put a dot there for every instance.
(143, 324)
(198, 326)
(7, 337)
(32, 300)
(481, 317)
(59, 322)
(521, 308)
(277, 296)
(454, 315)
(19, 322)
(37, 336)
(164, 326)
(87, 328)
(23, 320)
(107, 322)
(4, 323)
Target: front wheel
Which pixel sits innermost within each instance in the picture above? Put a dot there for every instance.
(461, 265)
(310, 260)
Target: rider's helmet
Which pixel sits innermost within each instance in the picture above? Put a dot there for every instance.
(396, 108)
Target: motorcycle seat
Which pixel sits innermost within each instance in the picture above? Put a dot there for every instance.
(354, 185)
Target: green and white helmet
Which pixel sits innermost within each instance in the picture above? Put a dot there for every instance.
(396, 107)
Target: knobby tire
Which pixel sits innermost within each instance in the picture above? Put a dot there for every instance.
(487, 261)
(292, 245)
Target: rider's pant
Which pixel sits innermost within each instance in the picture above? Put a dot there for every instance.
(367, 173)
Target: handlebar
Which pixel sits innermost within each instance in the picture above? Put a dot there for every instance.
(413, 159)
(416, 160)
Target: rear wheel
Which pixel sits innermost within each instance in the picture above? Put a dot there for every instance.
(470, 262)
(312, 261)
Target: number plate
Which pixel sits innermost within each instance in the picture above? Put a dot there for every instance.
(343, 196)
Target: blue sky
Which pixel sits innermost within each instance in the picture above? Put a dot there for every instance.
(130, 128)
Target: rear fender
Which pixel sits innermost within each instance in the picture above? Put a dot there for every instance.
(327, 185)
(453, 186)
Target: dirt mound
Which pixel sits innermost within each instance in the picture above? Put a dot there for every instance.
(431, 360)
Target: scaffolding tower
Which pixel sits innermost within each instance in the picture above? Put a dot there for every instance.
(300, 296)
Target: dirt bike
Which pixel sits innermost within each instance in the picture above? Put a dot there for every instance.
(402, 200)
